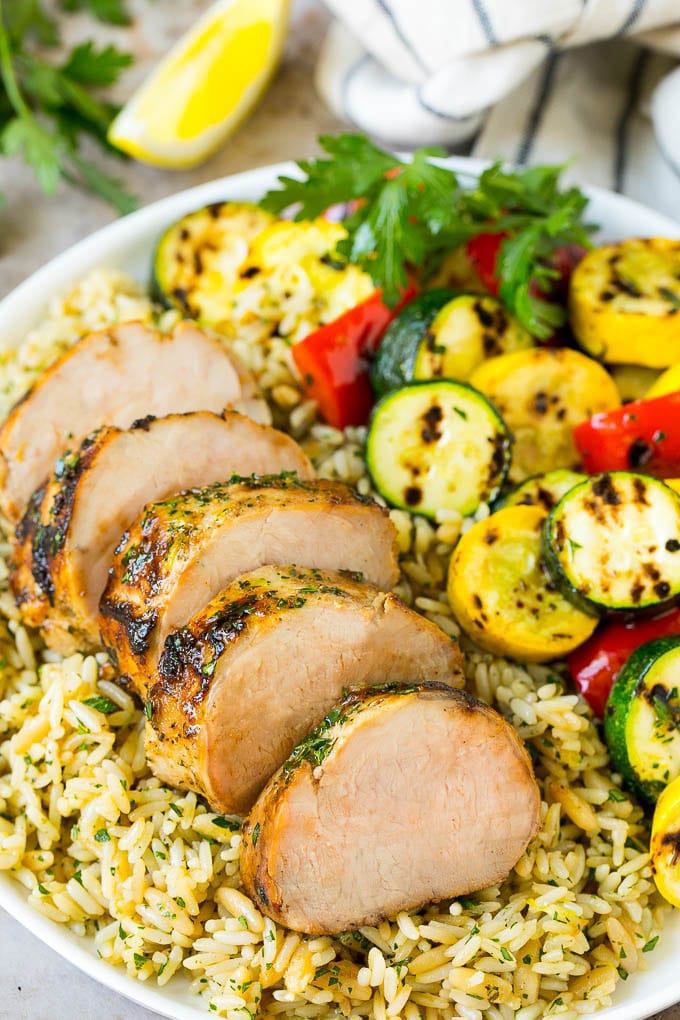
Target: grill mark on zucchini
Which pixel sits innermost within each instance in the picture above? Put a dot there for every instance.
(430, 432)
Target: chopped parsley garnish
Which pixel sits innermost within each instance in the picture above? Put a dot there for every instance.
(102, 836)
(411, 213)
(102, 704)
(226, 823)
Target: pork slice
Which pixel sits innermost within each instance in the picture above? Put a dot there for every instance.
(399, 798)
(65, 543)
(182, 552)
(114, 377)
(264, 661)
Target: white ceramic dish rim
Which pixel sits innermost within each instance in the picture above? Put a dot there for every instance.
(126, 244)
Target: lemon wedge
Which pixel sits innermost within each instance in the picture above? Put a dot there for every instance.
(206, 85)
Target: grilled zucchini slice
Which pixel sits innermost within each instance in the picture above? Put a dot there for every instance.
(613, 542)
(441, 335)
(624, 301)
(665, 844)
(464, 332)
(394, 362)
(502, 595)
(545, 490)
(642, 717)
(198, 260)
(437, 446)
(542, 394)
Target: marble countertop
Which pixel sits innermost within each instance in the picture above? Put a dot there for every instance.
(35, 983)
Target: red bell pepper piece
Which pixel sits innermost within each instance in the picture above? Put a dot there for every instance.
(641, 436)
(565, 260)
(334, 360)
(483, 251)
(596, 664)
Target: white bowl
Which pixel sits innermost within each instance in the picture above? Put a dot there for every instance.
(127, 245)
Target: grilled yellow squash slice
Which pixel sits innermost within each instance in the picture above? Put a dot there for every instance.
(541, 394)
(503, 596)
(667, 382)
(624, 302)
(665, 843)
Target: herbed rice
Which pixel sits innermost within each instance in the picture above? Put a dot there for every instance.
(152, 875)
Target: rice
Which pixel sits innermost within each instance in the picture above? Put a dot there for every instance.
(152, 875)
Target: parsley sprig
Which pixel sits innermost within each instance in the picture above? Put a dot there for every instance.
(408, 214)
(48, 107)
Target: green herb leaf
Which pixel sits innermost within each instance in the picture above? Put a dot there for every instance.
(102, 704)
(404, 214)
(42, 149)
(47, 108)
(226, 823)
(27, 19)
(112, 12)
(647, 948)
(102, 836)
(90, 66)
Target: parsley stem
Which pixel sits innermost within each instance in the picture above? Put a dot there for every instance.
(9, 78)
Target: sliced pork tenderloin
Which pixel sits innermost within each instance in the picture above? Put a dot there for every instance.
(399, 798)
(181, 552)
(114, 377)
(264, 661)
(65, 543)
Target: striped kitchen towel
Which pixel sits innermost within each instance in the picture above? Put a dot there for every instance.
(591, 81)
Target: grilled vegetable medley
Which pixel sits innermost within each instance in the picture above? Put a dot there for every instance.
(511, 377)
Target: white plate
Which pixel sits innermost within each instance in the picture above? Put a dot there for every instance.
(127, 245)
